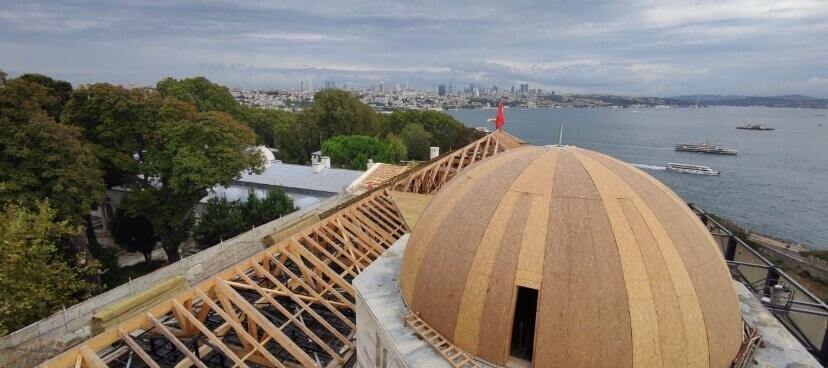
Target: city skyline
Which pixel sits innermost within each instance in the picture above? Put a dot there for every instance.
(630, 48)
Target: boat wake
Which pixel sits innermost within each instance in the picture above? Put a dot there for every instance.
(649, 167)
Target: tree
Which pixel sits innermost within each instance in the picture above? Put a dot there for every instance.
(42, 159)
(35, 280)
(353, 151)
(58, 89)
(223, 219)
(203, 94)
(336, 112)
(3, 77)
(417, 139)
(261, 211)
(446, 132)
(134, 233)
(164, 152)
(397, 151)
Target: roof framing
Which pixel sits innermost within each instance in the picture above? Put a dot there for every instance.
(290, 305)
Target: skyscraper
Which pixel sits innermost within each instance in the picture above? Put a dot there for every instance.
(330, 84)
(524, 88)
(441, 90)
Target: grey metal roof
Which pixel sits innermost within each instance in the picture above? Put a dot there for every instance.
(302, 177)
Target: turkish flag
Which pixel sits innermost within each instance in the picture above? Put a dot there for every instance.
(500, 119)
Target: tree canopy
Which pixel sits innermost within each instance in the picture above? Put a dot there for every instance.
(223, 219)
(35, 280)
(165, 152)
(337, 112)
(41, 159)
(354, 151)
(199, 91)
(58, 89)
(417, 140)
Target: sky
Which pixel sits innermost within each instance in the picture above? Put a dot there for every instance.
(630, 47)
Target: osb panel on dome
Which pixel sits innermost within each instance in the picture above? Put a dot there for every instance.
(627, 274)
(411, 205)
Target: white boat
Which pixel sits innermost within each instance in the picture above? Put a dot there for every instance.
(691, 169)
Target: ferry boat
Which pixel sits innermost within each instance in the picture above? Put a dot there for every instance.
(691, 169)
(754, 127)
(483, 130)
(705, 148)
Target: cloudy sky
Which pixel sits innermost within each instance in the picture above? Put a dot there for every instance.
(659, 48)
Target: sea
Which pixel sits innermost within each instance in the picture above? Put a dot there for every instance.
(777, 185)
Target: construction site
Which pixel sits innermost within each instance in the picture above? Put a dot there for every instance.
(498, 254)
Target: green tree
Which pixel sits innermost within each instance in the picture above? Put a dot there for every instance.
(418, 141)
(42, 159)
(164, 152)
(58, 89)
(3, 77)
(35, 280)
(120, 123)
(446, 132)
(134, 233)
(353, 151)
(397, 150)
(222, 219)
(203, 94)
(336, 112)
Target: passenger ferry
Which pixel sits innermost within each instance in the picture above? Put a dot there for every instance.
(691, 169)
(754, 127)
(705, 148)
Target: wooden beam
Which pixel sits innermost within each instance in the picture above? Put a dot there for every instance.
(137, 349)
(237, 326)
(274, 332)
(175, 341)
(210, 336)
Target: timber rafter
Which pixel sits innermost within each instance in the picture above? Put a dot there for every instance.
(290, 305)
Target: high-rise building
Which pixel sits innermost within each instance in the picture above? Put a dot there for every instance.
(302, 85)
(330, 84)
(441, 90)
(382, 87)
(451, 88)
(524, 88)
(512, 91)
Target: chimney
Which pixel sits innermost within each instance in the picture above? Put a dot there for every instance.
(435, 151)
(326, 161)
(318, 167)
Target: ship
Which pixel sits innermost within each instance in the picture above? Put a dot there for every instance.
(754, 127)
(705, 148)
(691, 169)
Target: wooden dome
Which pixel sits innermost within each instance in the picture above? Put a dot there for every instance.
(626, 275)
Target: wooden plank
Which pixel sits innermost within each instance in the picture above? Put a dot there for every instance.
(290, 316)
(251, 340)
(175, 341)
(210, 336)
(137, 349)
(90, 359)
(283, 340)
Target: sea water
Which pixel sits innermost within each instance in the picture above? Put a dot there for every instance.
(777, 185)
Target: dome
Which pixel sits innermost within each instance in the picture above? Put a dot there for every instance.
(582, 258)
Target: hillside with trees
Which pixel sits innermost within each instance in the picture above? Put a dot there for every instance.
(62, 148)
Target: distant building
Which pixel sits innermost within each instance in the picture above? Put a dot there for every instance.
(441, 90)
(512, 90)
(524, 88)
(330, 84)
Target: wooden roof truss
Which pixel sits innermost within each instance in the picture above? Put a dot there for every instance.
(290, 305)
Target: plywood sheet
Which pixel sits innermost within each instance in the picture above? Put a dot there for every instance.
(411, 205)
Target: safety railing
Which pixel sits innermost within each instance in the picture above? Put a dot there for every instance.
(804, 314)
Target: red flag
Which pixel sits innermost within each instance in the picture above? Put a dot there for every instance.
(500, 119)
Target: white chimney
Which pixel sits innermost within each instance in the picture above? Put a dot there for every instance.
(326, 160)
(318, 167)
(435, 151)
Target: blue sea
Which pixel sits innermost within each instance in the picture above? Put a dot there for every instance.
(777, 185)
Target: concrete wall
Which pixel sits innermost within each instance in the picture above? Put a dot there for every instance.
(48, 337)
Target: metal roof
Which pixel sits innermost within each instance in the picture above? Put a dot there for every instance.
(302, 177)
